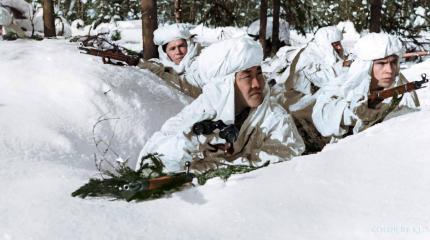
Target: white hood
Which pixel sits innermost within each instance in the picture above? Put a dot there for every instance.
(378, 45)
(321, 45)
(226, 57)
(218, 65)
(166, 34)
(370, 47)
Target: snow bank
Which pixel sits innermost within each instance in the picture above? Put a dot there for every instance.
(52, 96)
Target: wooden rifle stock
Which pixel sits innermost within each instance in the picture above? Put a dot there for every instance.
(144, 188)
(109, 54)
(408, 87)
(157, 184)
(168, 181)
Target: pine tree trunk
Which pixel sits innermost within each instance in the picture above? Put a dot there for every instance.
(275, 29)
(78, 9)
(263, 24)
(48, 18)
(192, 12)
(149, 24)
(178, 11)
(375, 15)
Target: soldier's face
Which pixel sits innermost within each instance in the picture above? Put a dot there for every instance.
(249, 86)
(338, 48)
(384, 71)
(176, 50)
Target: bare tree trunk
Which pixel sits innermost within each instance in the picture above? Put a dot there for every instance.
(192, 12)
(178, 11)
(275, 29)
(149, 24)
(48, 18)
(263, 25)
(375, 15)
(78, 9)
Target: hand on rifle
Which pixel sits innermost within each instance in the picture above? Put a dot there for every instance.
(373, 103)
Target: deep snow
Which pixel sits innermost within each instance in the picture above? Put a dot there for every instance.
(373, 185)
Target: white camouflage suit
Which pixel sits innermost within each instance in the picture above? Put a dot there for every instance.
(268, 133)
(316, 65)
(342, 107)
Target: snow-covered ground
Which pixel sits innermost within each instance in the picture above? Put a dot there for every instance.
(373, 185)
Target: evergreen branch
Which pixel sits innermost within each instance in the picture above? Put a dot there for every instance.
(150, 182)
(226, 171)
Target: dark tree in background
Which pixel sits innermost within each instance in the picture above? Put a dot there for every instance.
(178, 11)
(263, 24)
(395, 16)
(149, 24)
(375, 15)
(48, 18)
(275, 31)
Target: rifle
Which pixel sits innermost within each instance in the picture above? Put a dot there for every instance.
(416, 54)
(145, 188)
(93, 40)
(130, 185)
(408, 87)
(115, 54)
(139, 185)
(407, 56)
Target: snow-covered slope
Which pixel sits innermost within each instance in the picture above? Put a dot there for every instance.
(374, 185)
(52, 96)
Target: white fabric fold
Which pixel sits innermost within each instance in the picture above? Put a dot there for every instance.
(226, 57)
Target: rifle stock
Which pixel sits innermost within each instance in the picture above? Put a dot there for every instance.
(408, 87)
(143, 189)
(109, 54)
(168, 181)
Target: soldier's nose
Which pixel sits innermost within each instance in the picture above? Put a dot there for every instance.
(255, 83)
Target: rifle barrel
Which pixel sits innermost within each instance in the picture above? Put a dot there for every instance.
(384, 94)
(111, 54)
(347, 63)
(416, 54)
(408, 87)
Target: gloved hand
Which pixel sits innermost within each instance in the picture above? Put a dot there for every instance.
(206, 115)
